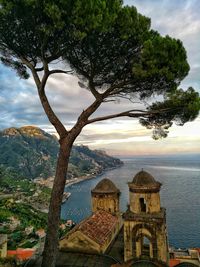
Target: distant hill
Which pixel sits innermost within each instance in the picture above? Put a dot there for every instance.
(32, 153)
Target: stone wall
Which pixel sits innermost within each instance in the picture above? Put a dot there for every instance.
(106, 202)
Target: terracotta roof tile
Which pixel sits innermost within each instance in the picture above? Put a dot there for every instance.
(97, 227)
(173, 262)
(21, 254)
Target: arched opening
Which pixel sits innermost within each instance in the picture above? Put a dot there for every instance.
(143, 205)
(146, 248)
(144, 242)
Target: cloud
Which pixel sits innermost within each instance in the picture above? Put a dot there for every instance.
(178, 19)
(20, 105)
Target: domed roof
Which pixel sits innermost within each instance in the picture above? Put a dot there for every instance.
(105, 186)
(144, 182)
(143, 178)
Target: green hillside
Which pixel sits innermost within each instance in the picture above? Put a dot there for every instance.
(32, 153)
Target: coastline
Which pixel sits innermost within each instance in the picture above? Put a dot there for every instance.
(77, 180)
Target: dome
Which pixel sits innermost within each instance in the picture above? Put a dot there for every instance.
(144, 182)
(105, 186)
(143, 178)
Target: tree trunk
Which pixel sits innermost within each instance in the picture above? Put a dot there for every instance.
(51, 242)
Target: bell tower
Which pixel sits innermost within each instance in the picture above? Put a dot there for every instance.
(145, 235)
(105, 196)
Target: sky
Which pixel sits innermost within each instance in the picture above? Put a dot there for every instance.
(19, 102)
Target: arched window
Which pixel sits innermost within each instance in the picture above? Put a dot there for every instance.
(142, 205)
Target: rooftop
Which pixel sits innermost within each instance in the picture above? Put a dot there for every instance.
(144, 181)
(174, 262)
(21, 254)
(105, 186)
(97, 227)
(143, 178)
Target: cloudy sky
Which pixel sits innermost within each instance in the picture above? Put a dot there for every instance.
(19, 103)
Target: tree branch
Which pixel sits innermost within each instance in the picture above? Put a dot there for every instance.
(122, 114)
(60, 71)
(135, 113)
(43, 98)
(39, 69)
(109, 91)
(95, 93)
(31, 67)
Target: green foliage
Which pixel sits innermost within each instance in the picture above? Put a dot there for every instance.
(130, 58)
(29, 216)
(49, 21)
(64, 232)
(178, 107)
(8, 262)
(30, 152)
(26, 214)
(29, 244)
(162, 59)
(4, 215)
(110, 46)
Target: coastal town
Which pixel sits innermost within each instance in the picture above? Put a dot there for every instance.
(23, 210)
(24, 205)
(21, 242)
(99, 133)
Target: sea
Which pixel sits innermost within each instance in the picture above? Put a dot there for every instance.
(180, 193)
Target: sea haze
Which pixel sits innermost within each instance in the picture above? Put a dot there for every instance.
(180, 178)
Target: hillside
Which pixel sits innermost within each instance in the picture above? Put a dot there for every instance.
(32, 153)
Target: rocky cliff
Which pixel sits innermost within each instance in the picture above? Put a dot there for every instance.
(32, 153)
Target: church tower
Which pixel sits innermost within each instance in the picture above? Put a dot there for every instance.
(105, 196)
(145, 235)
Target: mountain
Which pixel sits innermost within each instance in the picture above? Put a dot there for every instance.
(32, 153)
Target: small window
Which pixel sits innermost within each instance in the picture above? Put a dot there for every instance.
(142, 205)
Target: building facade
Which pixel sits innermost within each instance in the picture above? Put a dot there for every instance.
(145, 235)
(105, 196)
(3, 245)
(96, 233)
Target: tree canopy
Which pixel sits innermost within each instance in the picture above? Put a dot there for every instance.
(114, 52)
(111, 47)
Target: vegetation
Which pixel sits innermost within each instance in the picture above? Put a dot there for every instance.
(23, 212)
(26, 216)
(7, 262)
(113, 50)
(31, 153)
(16, 214)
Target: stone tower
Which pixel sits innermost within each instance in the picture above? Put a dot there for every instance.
(145, 235)
(105, 196)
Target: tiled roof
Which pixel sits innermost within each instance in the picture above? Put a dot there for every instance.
(173, 262)
(197, 249)
(97, 227)
(21, 254)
